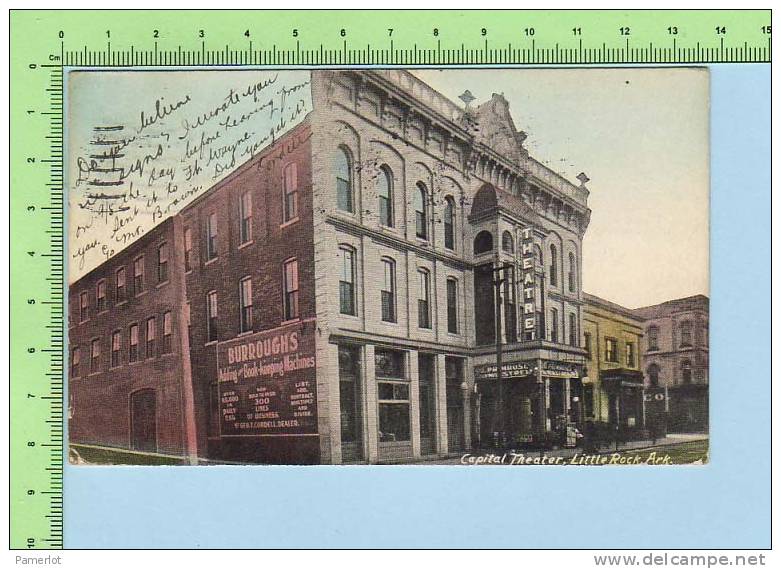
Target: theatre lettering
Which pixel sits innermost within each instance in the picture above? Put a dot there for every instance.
(267, 384)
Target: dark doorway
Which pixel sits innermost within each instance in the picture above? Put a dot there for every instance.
(455, 404)
(143, 420)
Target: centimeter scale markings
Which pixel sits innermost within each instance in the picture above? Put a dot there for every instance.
(44, 43)
(486, 54)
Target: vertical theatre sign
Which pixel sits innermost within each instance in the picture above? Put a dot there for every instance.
(528, 284)
(267, 383)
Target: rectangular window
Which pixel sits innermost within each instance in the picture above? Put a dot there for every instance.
(211, 236)
(162, 263)
(116, 348)
(100, 296)
(291, 289)
(587, 342)
(75, 361)
(138, 276)
(151, 337)
(168, 329)
(347, 282)
(573, 330)
(611, 352)
(120, 288)
(83, 307)
(94, 362)
(291, 191)
(133, 355)
(452, 306)
(188, 249)
(392, 396)
(388, 292)
(245, 304)
(245, 215)
(211, 316)
(630, 354)
(653, 338)
(424, 306)
(554, 325)
(394, 411)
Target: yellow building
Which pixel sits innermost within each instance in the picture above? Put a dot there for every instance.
(613, 387)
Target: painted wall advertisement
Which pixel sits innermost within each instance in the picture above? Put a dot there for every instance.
(267, 383)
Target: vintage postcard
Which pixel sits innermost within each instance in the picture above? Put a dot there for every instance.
(382, 265)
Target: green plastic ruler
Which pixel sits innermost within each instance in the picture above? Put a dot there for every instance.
(45, 43)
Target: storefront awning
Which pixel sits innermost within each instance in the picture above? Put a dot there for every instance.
(621, 377)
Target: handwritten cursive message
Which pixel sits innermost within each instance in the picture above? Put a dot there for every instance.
(143, 144)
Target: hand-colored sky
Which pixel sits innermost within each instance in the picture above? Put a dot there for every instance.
(641, 135)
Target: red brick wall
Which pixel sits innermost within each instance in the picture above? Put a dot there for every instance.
(272, 244)
(100, 402)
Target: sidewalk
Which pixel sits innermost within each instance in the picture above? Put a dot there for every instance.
(565, 453)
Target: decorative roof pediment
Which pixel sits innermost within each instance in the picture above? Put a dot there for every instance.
(494, 127)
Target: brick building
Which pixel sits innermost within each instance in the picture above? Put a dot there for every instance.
(127, 333)
(675, 356)
(341, 295)
(613, 394)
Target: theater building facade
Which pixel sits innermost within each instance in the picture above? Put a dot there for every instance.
(341, 297)
(417, 201)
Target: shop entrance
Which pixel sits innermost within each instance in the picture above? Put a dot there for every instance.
(455, 404)
(520, 400)
(143, 420)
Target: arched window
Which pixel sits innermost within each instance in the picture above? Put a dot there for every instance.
(450, 223)
(344, 180)
(421, 211)
(653, 375)
(508, 245)
(552, 269)
(653, 338)
(686, 372)
(573, 271)
(484, 242)
(385, 193)
(686, 334)
(347, 280)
